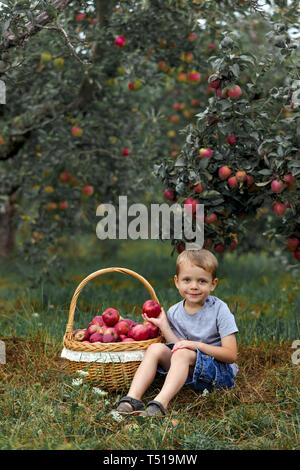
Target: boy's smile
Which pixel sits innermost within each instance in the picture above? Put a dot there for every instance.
(194, 285)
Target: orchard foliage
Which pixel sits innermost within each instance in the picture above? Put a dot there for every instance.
(251, 127)
(101, 92)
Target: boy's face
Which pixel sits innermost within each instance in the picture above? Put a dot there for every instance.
(194, 284)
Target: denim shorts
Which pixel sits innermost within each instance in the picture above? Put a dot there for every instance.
(209, 373)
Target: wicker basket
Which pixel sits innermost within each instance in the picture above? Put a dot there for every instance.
(113, 365)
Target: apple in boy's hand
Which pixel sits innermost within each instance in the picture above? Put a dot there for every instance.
(151, 308)
(110, 316)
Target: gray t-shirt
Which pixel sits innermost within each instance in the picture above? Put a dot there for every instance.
(212, 322)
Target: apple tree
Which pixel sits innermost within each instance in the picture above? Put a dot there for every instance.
(100, 91)
(243, 150)
(83, 121)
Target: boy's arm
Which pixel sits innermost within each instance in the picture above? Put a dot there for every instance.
(227, 352)
(163, 324)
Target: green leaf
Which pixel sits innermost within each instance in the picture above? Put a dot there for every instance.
(265, 172)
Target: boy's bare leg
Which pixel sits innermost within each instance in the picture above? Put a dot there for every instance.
(181, 361)
(157, 353)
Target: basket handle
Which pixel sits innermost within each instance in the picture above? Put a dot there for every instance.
(70, 324)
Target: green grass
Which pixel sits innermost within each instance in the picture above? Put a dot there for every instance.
(42, 408)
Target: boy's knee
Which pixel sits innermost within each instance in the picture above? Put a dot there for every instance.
(186, 355)
(157, 349)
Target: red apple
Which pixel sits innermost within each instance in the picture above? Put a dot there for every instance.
(231, 139)
(127, 340)
(122, 327)
(125, 152)
(94, 329)
(250, 180)
(120, 41)
(63, 205)
(277, 186)
(64, 177)
(97, 320)
(292, 243)
(211, 219)
(169, 194)
(224, 172)
(131, 86)
(205, 152)
(152, 308)
(214, 82)
(79, 17)
(289, 179)
(194, 76)
(296, 255)
(77, 131)
(198, 188)
(110, 335)
(139, 333)
(279, 208)
(232, 182)
(191, 204)
(234, 92)
(96, 338)
(220, 94)
(129, 321)
(241, 176)
(81, 334)
(153, 330)
(162, 66)
(219, 248)
(110, 316)
(88, 190)
(174, 118)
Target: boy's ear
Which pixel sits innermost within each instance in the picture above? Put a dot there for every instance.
(176, 280)
(214, 283)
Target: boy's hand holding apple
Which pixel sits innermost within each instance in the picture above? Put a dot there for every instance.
(160, 321)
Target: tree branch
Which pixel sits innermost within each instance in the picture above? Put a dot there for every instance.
(69, 44)
(30, 29)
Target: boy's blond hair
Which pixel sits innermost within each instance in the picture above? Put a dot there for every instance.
(204, 259)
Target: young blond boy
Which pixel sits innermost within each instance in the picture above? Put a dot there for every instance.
(200, 348)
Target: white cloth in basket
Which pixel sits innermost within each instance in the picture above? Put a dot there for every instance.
(88, 356)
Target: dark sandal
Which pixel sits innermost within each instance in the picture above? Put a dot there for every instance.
(128, 405)
(155, 409)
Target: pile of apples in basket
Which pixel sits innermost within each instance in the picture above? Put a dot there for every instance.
(110, 327)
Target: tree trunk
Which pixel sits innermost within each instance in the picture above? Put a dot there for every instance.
(7, 228)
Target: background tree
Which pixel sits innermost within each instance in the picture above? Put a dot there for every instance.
(100, 91)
